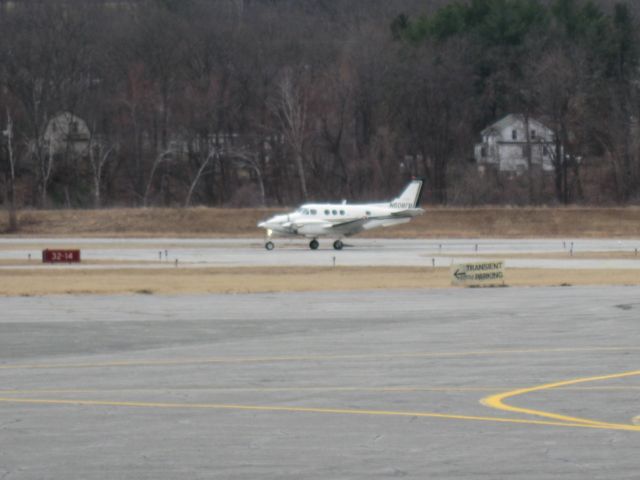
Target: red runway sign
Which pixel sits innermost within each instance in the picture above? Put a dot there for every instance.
(60, 256)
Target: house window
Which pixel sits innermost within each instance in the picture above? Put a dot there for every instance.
(74, 127)
(533, 134)
(483, 152)
(514, 134)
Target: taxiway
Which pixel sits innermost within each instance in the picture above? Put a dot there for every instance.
(518, 383)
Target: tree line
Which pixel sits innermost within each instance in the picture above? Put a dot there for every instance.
(271, 102)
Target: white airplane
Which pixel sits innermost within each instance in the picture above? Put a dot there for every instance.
(339, 220)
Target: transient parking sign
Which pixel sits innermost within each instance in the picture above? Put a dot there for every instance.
(490, 273)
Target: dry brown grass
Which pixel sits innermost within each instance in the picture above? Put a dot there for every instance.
(141, 222)
(611, 255)
(436, 222)
(244, 280)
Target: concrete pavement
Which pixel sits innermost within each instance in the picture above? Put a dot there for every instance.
(358, 385)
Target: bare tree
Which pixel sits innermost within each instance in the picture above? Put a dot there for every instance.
(336, 94)
(159, 159)
(248, 160)
(207, 161)
(45, 167)
(290, 106)
(45, 70)
(431, 103)
(556, 80)
(99, 155)
(11, 180)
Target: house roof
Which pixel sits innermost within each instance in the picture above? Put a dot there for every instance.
(509, 120)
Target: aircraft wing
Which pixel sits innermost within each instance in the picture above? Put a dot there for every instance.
(323, 227)
(310, 223)
(350, 226)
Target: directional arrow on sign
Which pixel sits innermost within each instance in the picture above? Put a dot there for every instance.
(460, 275)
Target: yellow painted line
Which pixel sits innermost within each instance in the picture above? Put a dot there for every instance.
(170, 389)
(497, 401)
(290, 358)
(337, 411)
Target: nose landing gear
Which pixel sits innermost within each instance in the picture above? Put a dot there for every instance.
(313, 244)
(269, 245)
(338, 245)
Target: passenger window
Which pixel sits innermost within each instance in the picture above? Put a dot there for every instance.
(313, 211)
(334, 212)
(367, 213)
(341, 212)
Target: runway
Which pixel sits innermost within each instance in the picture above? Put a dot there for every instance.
(518, 383)
(205, 253)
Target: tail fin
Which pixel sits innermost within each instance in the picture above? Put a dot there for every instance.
(410, 197)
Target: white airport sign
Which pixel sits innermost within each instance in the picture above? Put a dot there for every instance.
(478, 274)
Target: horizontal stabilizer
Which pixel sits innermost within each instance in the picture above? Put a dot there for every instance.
(409, 212)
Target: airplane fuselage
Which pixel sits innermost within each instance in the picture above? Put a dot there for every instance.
(315, 219)
(338, 220)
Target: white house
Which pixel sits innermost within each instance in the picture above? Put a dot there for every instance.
(67, 133)
(504, 145)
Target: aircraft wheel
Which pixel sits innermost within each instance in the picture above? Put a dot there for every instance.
(269, 245)
(313, 244)
(338, 245)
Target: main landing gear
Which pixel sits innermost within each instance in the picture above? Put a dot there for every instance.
(313, 244)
